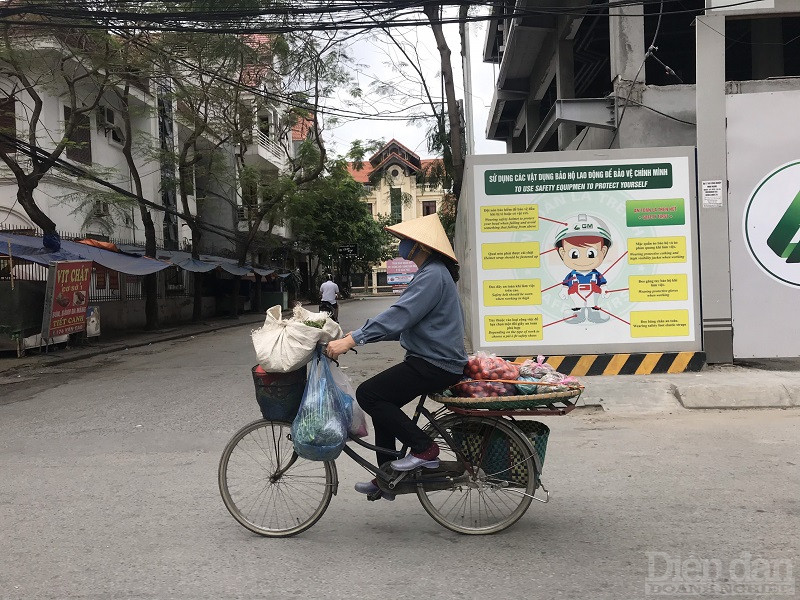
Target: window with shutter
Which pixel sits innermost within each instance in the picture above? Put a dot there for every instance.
(80, 146)
(396, 198)
(8, 124)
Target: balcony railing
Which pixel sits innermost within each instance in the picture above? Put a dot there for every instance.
(269, 145)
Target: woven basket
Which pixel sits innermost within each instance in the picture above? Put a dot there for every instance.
(497, 457)
(508, 402)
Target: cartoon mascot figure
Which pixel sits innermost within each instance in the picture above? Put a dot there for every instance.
(583, 245)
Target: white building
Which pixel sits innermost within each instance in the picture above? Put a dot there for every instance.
(63, 81)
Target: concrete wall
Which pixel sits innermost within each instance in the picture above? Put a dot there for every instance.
(645, 128)
(130, 314)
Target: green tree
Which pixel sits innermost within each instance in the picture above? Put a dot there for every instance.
(199, 80)
(303, 69)
(131, 64)
(329, 213)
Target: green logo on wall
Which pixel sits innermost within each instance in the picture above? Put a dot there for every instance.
(771, 224)
(780, 240)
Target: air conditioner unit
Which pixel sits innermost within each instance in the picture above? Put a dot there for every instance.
(106, 122)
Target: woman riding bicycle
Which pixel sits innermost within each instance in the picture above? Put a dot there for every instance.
(428, 321)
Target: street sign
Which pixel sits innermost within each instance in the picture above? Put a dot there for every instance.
(399, 273)
(348, 250)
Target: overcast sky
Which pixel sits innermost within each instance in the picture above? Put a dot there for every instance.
(373, 56)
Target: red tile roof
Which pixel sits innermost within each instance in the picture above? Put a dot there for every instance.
(395, 157)
(389, 143)
(362, 175)
(301, 129)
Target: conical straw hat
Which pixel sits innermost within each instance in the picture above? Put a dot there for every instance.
(428, 231)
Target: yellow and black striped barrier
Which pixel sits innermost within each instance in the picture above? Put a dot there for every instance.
(624, 364)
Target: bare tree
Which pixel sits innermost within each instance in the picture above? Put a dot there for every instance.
(130, 68)
(62, 63)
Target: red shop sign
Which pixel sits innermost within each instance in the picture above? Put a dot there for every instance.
(66, 298)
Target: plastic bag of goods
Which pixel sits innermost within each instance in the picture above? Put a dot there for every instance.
(483, 389)
(358, 425)
(485, 369)
(319, 431)
(535, 368)
(284, 345)
(556, 382)
(527, 389)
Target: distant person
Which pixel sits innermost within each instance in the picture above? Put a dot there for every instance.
(329, 292)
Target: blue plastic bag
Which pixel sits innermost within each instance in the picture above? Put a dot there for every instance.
(319, 431)
(527, 389)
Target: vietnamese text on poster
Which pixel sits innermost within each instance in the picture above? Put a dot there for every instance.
(585, 254)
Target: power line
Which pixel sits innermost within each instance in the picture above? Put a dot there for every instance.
(663, 114)
(62, 165)
(735, 41)
(277, 98)
(399, 13)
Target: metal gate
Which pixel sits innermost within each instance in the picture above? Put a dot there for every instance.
(764, 222)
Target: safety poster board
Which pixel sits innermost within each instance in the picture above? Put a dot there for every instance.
(581, 252)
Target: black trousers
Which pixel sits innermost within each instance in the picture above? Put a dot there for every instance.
(383, 396)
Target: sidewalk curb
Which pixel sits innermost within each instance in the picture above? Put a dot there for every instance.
(773, 395)
(712, 389)
(119, 347)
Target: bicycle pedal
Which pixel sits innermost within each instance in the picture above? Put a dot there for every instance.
(380, 495)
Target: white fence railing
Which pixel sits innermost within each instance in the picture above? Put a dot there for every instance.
(270, 145)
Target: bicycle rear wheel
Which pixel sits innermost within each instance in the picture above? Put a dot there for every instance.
(501, 485)
(268, 488)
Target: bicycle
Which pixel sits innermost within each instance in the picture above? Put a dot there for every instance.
(331, 309)
(487, 478)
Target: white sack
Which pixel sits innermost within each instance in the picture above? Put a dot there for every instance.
(285, 345)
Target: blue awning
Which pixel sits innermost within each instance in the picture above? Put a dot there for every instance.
(30, 248)
(194, 265)
(130, 259)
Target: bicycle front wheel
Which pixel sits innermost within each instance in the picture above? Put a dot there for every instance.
(498, 482)
(267, 487)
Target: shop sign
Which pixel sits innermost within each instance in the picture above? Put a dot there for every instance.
(66, 297)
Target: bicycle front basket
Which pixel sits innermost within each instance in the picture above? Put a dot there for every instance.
(279, 394)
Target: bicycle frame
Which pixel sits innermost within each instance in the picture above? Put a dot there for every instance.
(430, 477)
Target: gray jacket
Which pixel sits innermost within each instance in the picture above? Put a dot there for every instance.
(427, 319)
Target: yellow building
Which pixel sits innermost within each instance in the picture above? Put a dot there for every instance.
(400, 184)
(396, 182)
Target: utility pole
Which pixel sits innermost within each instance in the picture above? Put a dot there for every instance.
(466, 66)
